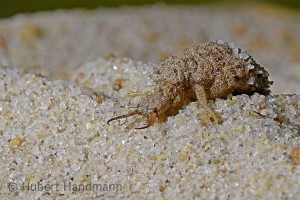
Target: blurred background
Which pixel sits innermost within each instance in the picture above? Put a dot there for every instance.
(12, 7)
(59, 43)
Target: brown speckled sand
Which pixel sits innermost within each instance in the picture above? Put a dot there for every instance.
(53, 132)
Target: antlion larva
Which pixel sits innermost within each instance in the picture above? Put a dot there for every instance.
(208, 71)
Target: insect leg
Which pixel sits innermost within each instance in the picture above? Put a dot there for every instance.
(201, 97)
(181, 94)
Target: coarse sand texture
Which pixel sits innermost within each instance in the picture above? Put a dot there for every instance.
(64, 74)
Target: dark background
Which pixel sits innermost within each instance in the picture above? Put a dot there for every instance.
(12, 7)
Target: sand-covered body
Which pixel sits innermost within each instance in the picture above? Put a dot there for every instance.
(208, 71)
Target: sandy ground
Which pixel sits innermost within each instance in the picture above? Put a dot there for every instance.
(64, 74)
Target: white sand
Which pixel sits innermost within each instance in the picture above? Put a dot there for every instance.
(54, 132)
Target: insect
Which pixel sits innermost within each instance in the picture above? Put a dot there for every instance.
(200, 73)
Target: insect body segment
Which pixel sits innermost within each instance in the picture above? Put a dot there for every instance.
(208, 71)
